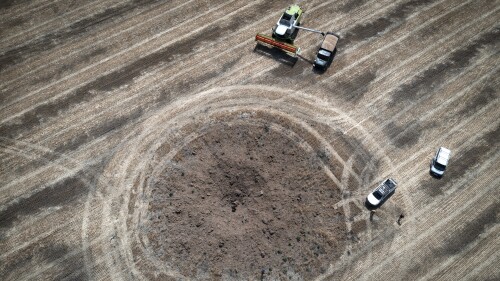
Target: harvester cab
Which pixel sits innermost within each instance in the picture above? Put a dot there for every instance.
(285, 29)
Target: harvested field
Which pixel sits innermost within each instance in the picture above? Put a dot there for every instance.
(152, 140)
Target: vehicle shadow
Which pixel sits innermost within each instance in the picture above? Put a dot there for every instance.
(276, 54)
(306, 59)
(370, 207)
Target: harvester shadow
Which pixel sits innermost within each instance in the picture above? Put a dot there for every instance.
(276, 54)
(306, 59)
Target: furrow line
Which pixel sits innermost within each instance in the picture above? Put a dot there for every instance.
(85, 45)
(7, 114)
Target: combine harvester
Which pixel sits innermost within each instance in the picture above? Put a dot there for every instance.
(285, 31)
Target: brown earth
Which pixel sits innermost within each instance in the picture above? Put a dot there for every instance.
(246, 200)
(151, 140)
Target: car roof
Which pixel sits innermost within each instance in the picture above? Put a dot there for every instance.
(443, 156)
(444, 150)
(386, 187)
(329, 42)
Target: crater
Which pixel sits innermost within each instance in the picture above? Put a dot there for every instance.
(245, 200)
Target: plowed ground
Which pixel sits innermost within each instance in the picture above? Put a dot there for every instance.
(151, 140)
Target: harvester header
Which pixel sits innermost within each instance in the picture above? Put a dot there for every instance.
(268, 40)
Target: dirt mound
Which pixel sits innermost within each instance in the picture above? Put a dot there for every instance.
(245, 201)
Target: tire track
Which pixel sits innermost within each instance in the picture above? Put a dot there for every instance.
(136, 95)
(110, 210)
(429, 47)
(467, 257)
(33, 30)
(171, 79)
(51, 40)
(420, 149)
(444, 220)
(153, 138)
(421, 211)
(365, 57)
(86, 45)
(421, 28)
(493, 257)
(402, 137)
(450, 65)
(5, 8)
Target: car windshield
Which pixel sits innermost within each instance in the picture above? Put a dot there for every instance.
(377, 194)
(323, 54)
(389, 184)
(285, 19)
(439, 166)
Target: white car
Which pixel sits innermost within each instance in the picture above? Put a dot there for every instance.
(440, 161)
(381, 192)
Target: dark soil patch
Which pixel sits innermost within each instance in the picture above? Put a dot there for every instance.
(351, 5)
(51, 40)
(470, 232)
(245, 202)
(367, 30)
(432, 79)
(60, 193)
(461, 164)
(401, 136)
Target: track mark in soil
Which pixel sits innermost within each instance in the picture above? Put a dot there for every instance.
(478, 101)
(59, 194)
(5, 4)
(182, 87)
(67, 67)
(402, 137)
(351, 5)
(252, 15)
(53, 252)
(43, 252)
(248, 184)
(14, 23)
(45, 255)
(106, 83)
(104, 128)
(462, 162)
(429, 82)
(457, 243)
(51, 40)
(372, 29)
(463, 237)
(353, 88)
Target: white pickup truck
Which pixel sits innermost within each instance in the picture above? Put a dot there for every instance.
(381, 192)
